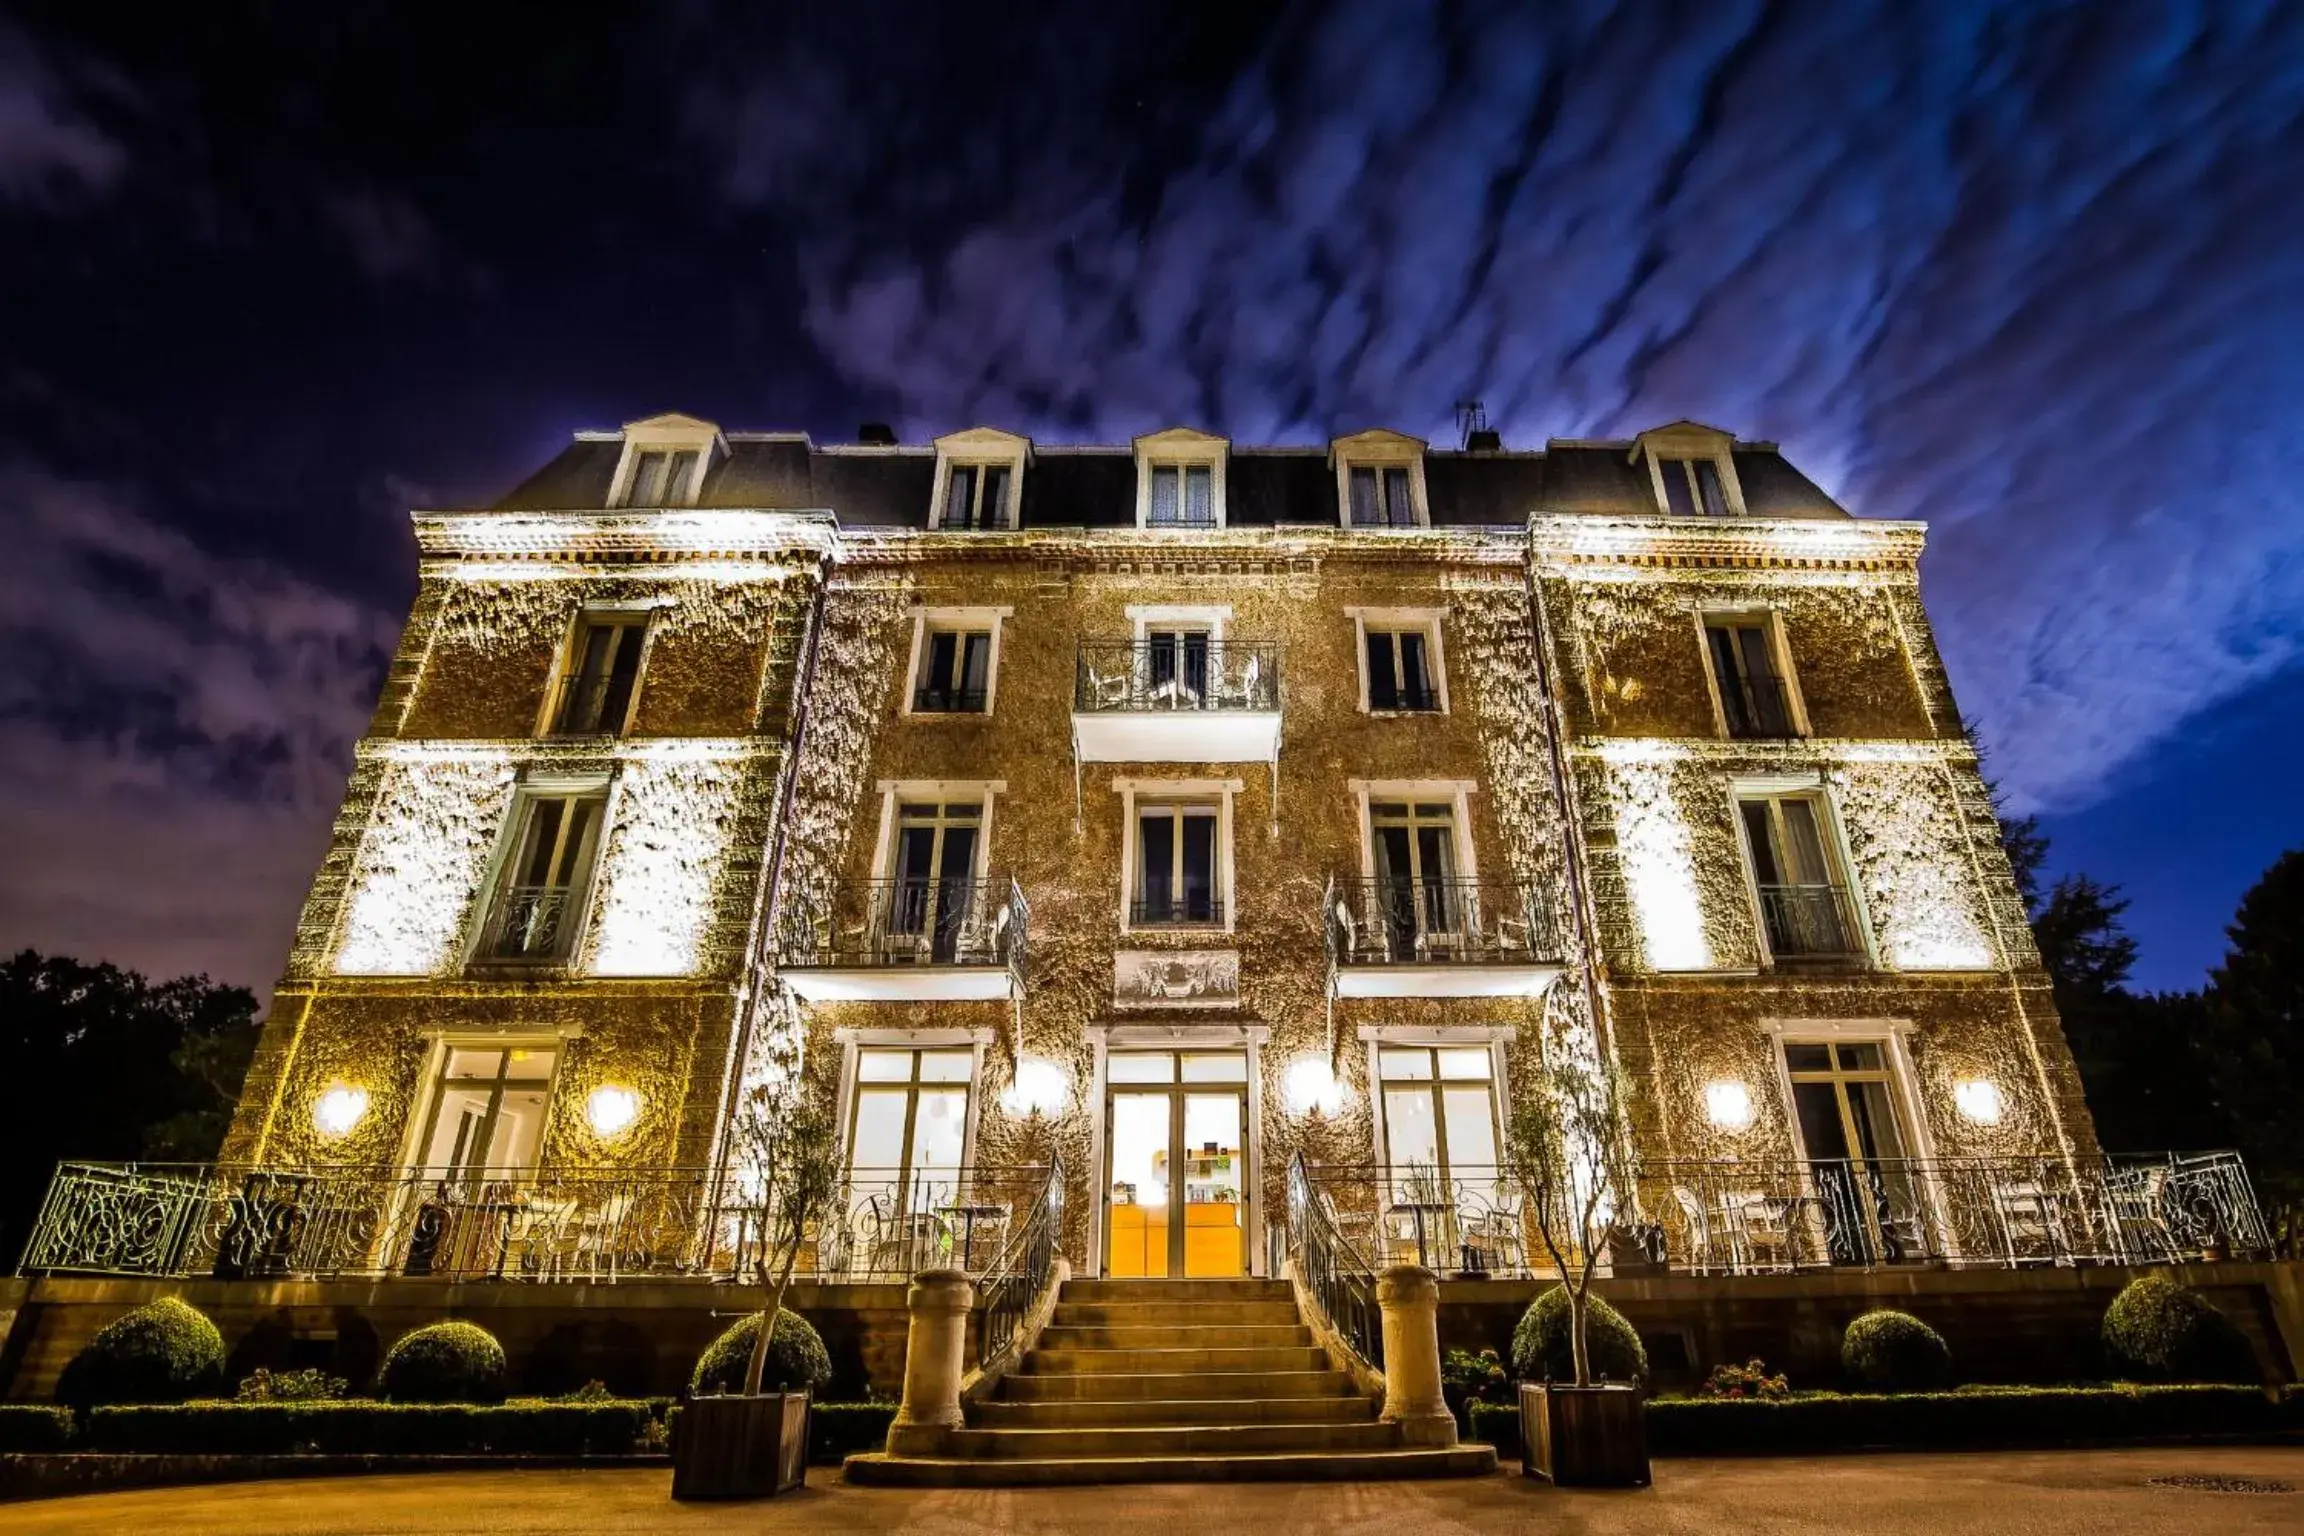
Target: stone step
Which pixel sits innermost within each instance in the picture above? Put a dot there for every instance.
(1097, 1413)
(1175, 1361)
(1072, 1442)
(1173, 1314)
(1290, 1335)
(1282, 1466)
(1198, 1386)
(1176, 1290)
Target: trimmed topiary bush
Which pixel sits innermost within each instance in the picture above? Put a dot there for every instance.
(444, 1363)
(797, 1360)
(163, 1352)
(1887, 1351)
(2157, 1330)
(1543, 1351)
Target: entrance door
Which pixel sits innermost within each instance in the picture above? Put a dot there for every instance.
(1844, 1096)
(1176, 1174)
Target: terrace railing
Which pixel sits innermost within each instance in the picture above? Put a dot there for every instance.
(331, 1222)
(1196, 673)
(1436, 922)
(1022, 1273)
(873, 923)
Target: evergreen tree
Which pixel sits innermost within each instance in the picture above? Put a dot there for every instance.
(2254, 1027)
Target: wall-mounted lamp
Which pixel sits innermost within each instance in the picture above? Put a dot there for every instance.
(1041, 1088)
(1728, 1104)
(1310, 1084)
(339, 1110)
(611, 1109)
(1979, 1100)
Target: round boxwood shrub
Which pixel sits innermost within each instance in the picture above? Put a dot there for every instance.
(1889, 1351)
(2157, 1330)
(163, 1352)
(444, 1363)
(797, 1360)
(1542, 1349)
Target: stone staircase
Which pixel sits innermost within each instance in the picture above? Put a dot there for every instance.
(1141, 1381)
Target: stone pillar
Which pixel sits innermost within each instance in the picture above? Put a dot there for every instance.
(1410, 1297)
(935, 1357)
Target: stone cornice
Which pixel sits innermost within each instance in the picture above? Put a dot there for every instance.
(1803, 752)
(687, 534)
(1572, 544)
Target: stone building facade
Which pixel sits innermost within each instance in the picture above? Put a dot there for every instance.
(1164, 812)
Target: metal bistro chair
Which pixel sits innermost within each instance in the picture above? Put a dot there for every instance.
(1756, 1225)
(1701, 1253)
(2031, 1228)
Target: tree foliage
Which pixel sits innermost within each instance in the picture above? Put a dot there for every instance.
(2254, 1027)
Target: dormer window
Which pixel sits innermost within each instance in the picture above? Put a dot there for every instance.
(1691, 470)
(979, 480)
(1380, 480)
(1180, 479)
(1692, 488)
(665, 461)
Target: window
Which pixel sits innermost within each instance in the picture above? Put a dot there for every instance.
(1439, 1113)
(485, 1115)
(1413, 846)
(1692, 487)
(1178, 872)
(597, 691)
(536, 907)
(1382, 496)
(978, 496)
(663, 477)
(1844, 1105)
(907, 1142)
(955, 672)
(1804, 910)
(1755, 697)
(932, 893)
(1176, 664)
(1400, 671)
(1183, 496)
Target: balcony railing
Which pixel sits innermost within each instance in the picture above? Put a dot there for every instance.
(592, 704)
(1199, 673)
(1758, 708)
(937, 700)
(1436, 922)
(320, 1222)
(1774, 1216)
(1808, 922)
(1187, 911)
(530, 923)
(910, 922)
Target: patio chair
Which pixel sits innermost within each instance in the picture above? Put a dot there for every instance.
(2136, 1213)
(2030, 1225)
(1757, 1225)
(1701, 1255)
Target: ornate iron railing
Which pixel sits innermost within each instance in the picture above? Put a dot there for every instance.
(1193, 672)
(1021, 1275)
(1773, 1215)
(1336, 1274)
(937, 699)
(329, 1222)
(910, 922)
(1435, 922)
(1757, 708)
(1808, 922)
(1191, 910)
(592, 704)
(530, 922)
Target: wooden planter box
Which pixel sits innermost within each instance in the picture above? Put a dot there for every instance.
(740, 1447)
(1584, 1437)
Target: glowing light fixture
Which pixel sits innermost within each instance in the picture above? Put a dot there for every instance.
(611, 1110)
(1310, 1084)
(339, 1110)
(1979, 1100)
(1041, 1088)
(1728, 1104)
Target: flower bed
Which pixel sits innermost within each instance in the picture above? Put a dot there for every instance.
(1975, 1417)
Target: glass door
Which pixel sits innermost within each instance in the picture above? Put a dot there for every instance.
(1843, 1095)
(1176, 1184)
(929, 895)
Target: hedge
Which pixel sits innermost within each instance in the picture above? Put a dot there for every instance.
(373, 1429)
(1891, 1351)
(1976, 1416)
(34, 1427)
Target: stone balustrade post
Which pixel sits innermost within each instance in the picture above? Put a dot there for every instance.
(935, 1358)
(1409, 1295)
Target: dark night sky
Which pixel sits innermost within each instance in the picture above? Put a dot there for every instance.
(270, 275)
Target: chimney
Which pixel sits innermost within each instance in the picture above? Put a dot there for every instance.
(1478, 436)
(1484, 440)
(876, 434)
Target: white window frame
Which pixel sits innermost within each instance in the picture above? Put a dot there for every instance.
(1220, 792)
(926, 621)
(895, 792)
(525, 793)
(1376, 1038)
(1430, 622)
(1107, 1039)
(641, 612)
(666, 434)
(1457, 792)
(1894, 1036)
(1812, 785)
(439, 1042)
(1380, 450)
(1771, 617)
(1690, 440)
(1180, 448)
(979, 448)
(853, 1040)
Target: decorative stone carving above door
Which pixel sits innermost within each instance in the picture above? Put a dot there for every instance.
(1176, 978)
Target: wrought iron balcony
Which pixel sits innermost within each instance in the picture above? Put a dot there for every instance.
(592, 704)
(337, 1222)
(530, 923)
(929, 699)
(1781, 1215)
(1196, 674)
(1809, 922)
(1438, 938)
(1757, 709)
(927, 939)
(1190, 910)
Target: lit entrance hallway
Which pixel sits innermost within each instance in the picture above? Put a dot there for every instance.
(1139, 1381)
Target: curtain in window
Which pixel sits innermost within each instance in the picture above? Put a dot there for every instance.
(1399, 508)
(1199, 495)
(960, 497)
(1364, 496)
(1164, 495)
(995, 496)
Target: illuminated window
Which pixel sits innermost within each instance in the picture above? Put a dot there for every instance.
(1439, 1113)
(597, 691)
(484, 1113)
(907, 1141)
(663, 477)
(1756, 698)
(1804, 906)
(534, 916)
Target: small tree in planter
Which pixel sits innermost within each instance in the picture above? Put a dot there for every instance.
(754, 1443)
(1565, 1150)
